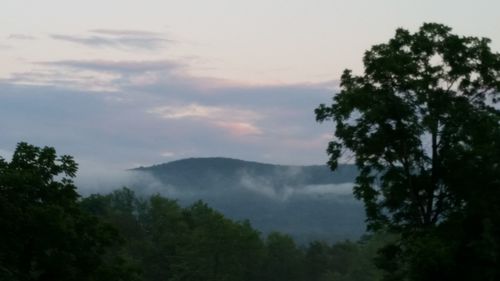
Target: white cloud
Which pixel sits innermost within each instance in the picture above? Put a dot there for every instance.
(236, 122)
(188, 111)
(195, 110)
(167, 154)
(240, 128)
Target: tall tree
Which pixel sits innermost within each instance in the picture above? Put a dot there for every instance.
(425, 134)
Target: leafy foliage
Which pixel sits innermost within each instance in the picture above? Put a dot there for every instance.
(45, 235)
(198, 243)
(176, 243)
(422, 125)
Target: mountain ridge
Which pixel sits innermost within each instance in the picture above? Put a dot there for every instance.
(232, 169)
(223, 158)
(309, 202)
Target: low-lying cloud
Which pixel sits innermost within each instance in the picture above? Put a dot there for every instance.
(97, 179)
(266, 186)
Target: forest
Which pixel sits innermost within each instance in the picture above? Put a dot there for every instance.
(51, 233)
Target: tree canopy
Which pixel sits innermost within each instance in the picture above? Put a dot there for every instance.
(170, 242)
(424, 131)
(45, 235)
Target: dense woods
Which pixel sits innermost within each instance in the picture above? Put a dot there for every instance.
(50, 233)
(169, 242)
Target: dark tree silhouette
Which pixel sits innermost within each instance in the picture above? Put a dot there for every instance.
(45, 235)
(425, 134)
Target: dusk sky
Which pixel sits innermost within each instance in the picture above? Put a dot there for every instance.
(124, 83)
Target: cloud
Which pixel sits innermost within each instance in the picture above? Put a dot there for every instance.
(142, 109)
(168, 154)
(21, 37)
(98, 178)
(236, 122)
(126, 32)
(122, 67)
(320, 189)
(141, 75)
(104, 82)
(266, 187)
(99, 75)
(240, 128)
(128, 128)
(121, 39)
(198, 111)
(189, 111)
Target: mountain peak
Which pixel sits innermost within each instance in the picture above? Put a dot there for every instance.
(211, 161)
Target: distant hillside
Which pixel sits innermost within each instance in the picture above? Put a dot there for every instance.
(309, 202)
(206, 173)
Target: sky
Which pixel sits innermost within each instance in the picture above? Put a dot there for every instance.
(120, 83)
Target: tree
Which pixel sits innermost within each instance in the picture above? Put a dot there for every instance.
(284, 261)
(216, 248)
(169, 242)
(45, 235)
(425, 135)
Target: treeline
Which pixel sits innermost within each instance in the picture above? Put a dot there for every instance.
(48, 232)
(168, 242)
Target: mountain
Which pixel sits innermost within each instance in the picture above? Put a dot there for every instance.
(308, 202)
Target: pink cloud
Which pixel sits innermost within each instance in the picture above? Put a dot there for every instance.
(239, 128)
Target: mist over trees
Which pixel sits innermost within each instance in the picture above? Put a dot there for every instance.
(169, 242)
(51, 233)
(306, 202)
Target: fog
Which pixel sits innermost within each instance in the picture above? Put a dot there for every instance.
(278, 186)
